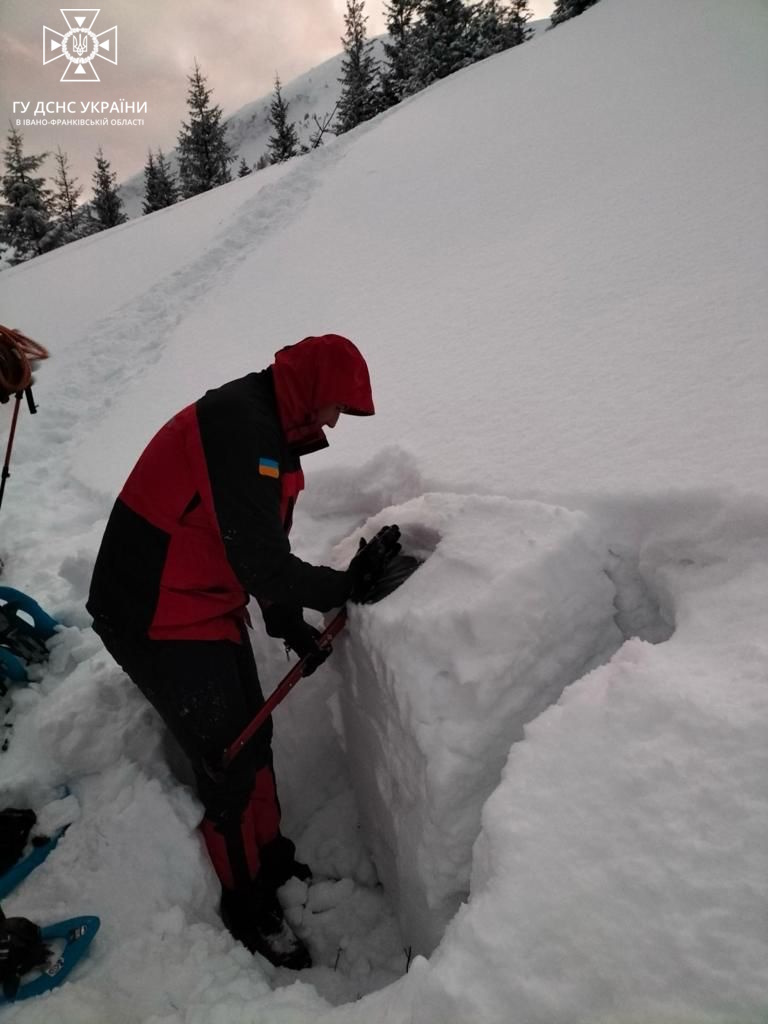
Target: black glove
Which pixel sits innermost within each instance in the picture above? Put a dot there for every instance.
(287, 623)
(370, 563)
(306, 646)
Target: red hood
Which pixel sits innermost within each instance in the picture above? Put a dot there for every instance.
(327, 370)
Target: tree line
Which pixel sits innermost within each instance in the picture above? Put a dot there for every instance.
(427, 40)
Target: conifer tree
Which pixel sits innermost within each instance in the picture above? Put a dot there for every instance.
(167, 184)
(243, 170)
(106, 207)
(150, 184)
(160, 186)
(360, 98)
(443, 41)
(284, 142)
(398, 71)
(65, 198)
(565, 9)
(28, 224)
(497, 26)
(518, 16)
(204, 153)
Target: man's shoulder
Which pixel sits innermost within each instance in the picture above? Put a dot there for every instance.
(249, 399)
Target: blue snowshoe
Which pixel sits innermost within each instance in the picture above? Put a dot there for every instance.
(15, 862)
(24, 626)
(12, 669)
(34, 960)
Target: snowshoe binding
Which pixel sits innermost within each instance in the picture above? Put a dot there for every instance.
(34, 960)
(21, 852)
(24, 626)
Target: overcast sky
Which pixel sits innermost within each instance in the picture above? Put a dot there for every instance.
(240, 44)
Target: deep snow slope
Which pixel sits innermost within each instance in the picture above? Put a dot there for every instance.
(555, 262)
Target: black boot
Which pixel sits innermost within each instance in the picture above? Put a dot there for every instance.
(278, 863)
(256, 919)
(21, 950)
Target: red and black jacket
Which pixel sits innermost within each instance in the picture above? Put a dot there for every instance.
(203, 519)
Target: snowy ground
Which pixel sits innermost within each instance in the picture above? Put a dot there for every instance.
(563, 304)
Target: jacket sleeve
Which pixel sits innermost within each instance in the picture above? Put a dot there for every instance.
(241, 448)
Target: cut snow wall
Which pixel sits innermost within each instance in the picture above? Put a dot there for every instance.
(511, 605)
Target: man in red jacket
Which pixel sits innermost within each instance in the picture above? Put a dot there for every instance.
(202, 523)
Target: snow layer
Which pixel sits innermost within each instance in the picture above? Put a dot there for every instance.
(555, 262)
(511, 605)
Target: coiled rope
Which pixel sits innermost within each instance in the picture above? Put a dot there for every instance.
(17, 353)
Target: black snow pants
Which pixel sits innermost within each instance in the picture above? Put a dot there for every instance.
(206, 692)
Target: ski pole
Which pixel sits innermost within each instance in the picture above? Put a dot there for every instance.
(6, 465)
(282, 690)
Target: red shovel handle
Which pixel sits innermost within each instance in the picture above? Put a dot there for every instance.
(282, 690)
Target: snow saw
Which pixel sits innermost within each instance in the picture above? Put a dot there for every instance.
(378, 568)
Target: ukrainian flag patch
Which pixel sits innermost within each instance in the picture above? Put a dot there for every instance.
(268, 467)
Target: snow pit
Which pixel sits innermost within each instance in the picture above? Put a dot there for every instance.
(511, 605)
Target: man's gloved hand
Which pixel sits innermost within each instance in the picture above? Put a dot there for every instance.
(287, 623)
(307, 646)
(371, 561)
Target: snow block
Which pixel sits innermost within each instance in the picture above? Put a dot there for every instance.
(511, 605)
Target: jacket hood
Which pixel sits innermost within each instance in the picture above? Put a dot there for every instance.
(318, 371)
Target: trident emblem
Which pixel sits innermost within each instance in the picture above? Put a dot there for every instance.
(80, 44)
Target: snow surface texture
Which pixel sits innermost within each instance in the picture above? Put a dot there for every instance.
(555, 263)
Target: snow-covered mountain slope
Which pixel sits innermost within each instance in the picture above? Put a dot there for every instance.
(555, 263)
(311, 95)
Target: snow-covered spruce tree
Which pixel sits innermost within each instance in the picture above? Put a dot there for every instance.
(106, 207)
(5, 245)
(565, 9)
(442, 40)
(243, 170)
(28, 224)
(65, 198)
(150, 184)
(204, 153)
(167, 184)
(284, 142)
(160, 186)
(360, 98)
(498, 26)
(398, 68)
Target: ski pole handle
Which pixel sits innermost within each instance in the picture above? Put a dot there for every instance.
(282, 690)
